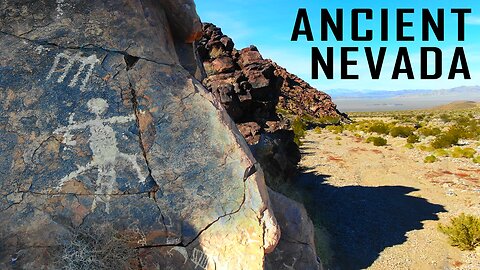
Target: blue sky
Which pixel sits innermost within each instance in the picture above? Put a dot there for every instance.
(268, 24)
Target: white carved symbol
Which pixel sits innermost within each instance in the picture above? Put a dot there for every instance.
(86, 66)
(59, 9)
(199, 259)
(105, 153)
(170, 227)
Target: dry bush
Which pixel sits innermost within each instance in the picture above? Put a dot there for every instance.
(95, 248)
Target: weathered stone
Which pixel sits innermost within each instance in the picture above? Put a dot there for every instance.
(105, 128)
(249, 56)
(251, 132)
(223, 65)
(296, 249)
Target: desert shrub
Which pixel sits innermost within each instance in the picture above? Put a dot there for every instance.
(95, 248)
(425, 131)
(441, 153)
(327, 120)
(426, 148)
(469, 130)
(413, 138)
(335, 129)
(299, 129)
(401, 131)
(317, 130)
(409, 146)
(476, 160)
(338, 138)
(458, 152)
(445, 140)
(377, 141)
(379, 128)
(445, 117)
(430, 159)
(463, 232)
(420, 117)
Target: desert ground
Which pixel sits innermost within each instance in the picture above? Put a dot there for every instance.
(382, 205)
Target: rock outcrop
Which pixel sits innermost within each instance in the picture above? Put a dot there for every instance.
(253, 90)
(299, 98)
(246, 85)
(113, 154)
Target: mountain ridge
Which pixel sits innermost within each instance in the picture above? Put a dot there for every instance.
(365, 93)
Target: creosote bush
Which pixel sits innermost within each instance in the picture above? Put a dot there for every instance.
(409, 146)
(430, 159)
(379, 128)
(377, 141)
(425, 131)
(463, 232)
(445, 140)
(335, 129)
(412, 138)
(441, 153)
(299, 129)
(458, 152)
(401, 131)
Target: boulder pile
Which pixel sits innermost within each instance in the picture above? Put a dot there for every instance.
(253, 90)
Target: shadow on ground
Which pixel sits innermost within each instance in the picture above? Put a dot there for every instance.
(363, 221)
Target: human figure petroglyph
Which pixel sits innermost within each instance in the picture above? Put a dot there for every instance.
(105, 153)
(86, 66)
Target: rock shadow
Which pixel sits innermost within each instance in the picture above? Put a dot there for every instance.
(363, 221)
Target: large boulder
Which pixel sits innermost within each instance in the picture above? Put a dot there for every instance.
(113, 155)
(296, 249)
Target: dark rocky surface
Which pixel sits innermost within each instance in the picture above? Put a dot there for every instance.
(103, 125)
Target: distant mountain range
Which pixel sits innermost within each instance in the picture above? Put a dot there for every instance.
(380, 94)
(365, 100)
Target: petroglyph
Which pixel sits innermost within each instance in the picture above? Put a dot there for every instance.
(40, 49)
(199, 259)
(105, 153)
(170, 226)
(85, 67)
(60, 5)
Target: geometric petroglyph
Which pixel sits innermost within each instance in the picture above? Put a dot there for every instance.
(85, 68)
(199, 258)
(105, 152)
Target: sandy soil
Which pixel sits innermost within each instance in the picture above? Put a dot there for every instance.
(382, 205)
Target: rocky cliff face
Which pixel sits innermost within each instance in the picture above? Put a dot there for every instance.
(112, 154)
(253, 90)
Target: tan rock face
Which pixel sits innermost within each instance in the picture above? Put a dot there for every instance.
(107, 135)
(296, 249)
